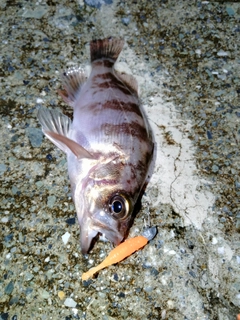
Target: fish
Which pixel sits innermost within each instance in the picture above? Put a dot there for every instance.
(109, 143)
(122, 251)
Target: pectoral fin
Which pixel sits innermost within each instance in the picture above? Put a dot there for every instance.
(76, 149)
(56, 127)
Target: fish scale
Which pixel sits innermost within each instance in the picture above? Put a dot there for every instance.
(108, 144)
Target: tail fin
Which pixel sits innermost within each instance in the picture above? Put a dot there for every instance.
(108, 48)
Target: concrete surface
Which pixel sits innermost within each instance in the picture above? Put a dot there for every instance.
(185, 56)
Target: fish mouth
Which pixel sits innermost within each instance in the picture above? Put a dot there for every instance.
(89, 233)
(86, 239)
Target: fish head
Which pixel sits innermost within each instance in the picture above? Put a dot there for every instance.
(108, 214)
(103, 207)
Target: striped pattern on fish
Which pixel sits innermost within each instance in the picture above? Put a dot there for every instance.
(108, 144)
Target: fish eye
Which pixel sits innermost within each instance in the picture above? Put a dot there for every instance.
(119, 207)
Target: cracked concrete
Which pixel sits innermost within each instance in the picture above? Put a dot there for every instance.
(175, 168)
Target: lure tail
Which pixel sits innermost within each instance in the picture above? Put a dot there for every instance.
(118, 254)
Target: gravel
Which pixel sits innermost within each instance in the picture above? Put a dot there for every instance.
(185, 57)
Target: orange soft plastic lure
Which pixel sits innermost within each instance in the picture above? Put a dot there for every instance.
(122, 251)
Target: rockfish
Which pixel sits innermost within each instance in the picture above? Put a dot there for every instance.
(109, 144)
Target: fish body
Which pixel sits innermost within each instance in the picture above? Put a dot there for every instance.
(108, 144)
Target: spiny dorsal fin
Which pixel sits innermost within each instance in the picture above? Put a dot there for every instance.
(108, 48)
(72, 80)
(56, 126)
(129, 80)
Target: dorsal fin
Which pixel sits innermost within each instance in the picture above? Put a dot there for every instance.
(129, 80)
(72, 80)
(108, 48)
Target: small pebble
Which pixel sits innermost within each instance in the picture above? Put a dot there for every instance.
(14, 190)
(61, 295)
(15, 138)
(198, 51)
(221, 250)
(49, 157)
(97, 3)
(44, 294)
(4, 220)
(35, 136)
(9, 288)
(69, 302)
(3, 168)
(37, 13)
(39, 184)
(125, 21)
(51, 201)
(8, 255)
(209, 134)
(237, 185)
(28, 276)
(13, 300)
(65, 237)
(71, 221)
(222, 53)
(4, 316)
(28, 291)
(8, 237)
(215, 168)
(230, 11)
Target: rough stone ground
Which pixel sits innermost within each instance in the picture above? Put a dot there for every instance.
(185, 56)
